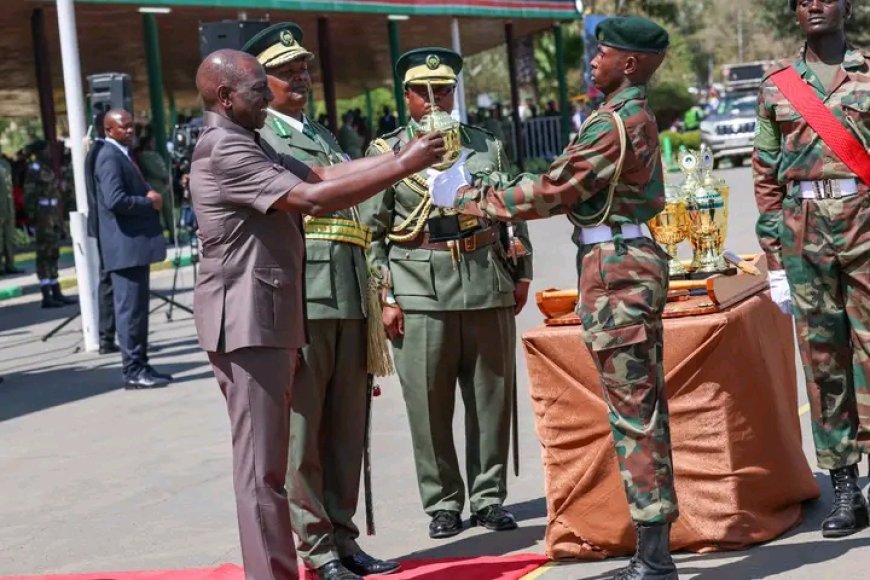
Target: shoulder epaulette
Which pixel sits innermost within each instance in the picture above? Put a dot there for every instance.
(775, 68)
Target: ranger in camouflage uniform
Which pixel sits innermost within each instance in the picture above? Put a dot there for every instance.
(814, 227)
(42, 201)
(328, 407)
(609, 181)
(7, 220)
(450, 311)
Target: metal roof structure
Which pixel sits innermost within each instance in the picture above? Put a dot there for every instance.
(110, 34)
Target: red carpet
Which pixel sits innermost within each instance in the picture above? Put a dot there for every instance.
(483, 568)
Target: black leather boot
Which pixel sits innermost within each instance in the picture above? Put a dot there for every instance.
(849, 513)
(47, 300)
(652, 558)
(59, 297)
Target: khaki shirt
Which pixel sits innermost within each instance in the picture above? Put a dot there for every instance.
(250, 290)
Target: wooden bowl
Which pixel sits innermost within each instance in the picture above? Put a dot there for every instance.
(554, 303)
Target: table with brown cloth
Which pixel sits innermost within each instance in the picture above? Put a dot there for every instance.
(741, 474)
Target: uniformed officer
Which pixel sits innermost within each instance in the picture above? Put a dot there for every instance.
(814, 226)
(328, 408)
(449, 310)
(42, 200)
(609, 182)
(7, 220)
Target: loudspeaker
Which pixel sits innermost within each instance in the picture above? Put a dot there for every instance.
(227, 34)
(110, 91)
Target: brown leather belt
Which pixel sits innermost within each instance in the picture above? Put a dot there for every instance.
(481, 239)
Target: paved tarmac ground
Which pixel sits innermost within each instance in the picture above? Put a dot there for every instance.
(95, 478)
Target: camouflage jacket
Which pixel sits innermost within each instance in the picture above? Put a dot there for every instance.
(42, 195)
(428, 280)
(788, 150)
(579, 179)
(335, 272)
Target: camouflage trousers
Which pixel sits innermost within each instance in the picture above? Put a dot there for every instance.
(826, 254)
(623, 291)
(47, 242)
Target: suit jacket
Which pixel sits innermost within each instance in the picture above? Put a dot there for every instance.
(336, 275)
(250, 291)
(128, 226)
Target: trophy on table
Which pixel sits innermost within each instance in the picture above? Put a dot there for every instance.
(708, 212)
(671, 226)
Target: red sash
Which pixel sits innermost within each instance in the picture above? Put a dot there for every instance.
(831, 130)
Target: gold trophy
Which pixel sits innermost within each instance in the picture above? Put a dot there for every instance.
(708, 212)
(447, 225)
(671, 226)
(441, 122)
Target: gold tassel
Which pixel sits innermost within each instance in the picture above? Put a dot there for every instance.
(379, 362)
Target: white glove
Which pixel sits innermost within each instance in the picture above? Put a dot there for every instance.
(443, 185)
(779, 290)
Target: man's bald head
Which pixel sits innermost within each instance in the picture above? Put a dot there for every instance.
(118, 124)
(233, 84)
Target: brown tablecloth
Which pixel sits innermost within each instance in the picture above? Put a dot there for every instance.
(741, 474)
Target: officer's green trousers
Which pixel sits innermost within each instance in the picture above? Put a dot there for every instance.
(476, 349)
(327, 429)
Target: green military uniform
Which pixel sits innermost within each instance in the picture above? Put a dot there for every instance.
(609, 193)
(814, 223)
(328, 406)
(458, 303)
(7, 219)
(350, 140)
(42, 198)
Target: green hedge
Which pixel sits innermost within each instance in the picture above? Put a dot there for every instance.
(689, 139)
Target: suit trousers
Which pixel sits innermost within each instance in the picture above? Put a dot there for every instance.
(257, 383)
(105, 299)
(327, 432)
(130, 288)
(477, 349)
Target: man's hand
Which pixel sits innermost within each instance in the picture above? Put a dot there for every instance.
(394, 321)
(779, 290)
(443, 185)
(156, 199)
(424, 150)
(521, 295)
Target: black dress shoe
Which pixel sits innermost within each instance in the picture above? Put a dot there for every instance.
(494, 517)
(145, 380)
(445, 524)
(334, 570)
(365, 565)
(155, 374)
(849, 513)
(109, 348)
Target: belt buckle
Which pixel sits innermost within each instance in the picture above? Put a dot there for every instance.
(469, 244)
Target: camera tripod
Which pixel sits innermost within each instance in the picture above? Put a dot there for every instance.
(193, 245)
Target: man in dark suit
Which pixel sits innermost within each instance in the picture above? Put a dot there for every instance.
(130, 239)
(105, 295)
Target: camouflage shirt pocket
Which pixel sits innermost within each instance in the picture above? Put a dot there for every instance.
(856, 111)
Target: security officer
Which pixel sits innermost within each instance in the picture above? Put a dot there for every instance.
(449, 308)
(42, 200)
(7, 220)
(609, 182)
(328, 407)
(813, 227)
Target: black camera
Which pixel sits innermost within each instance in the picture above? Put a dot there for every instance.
(184, 139)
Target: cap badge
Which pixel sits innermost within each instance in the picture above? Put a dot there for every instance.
(432, 61)
(286, 38)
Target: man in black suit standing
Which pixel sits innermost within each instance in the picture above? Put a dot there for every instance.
(130, 239)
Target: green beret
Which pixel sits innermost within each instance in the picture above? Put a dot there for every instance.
(278, 44)
(632, 33)
(438, 66)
